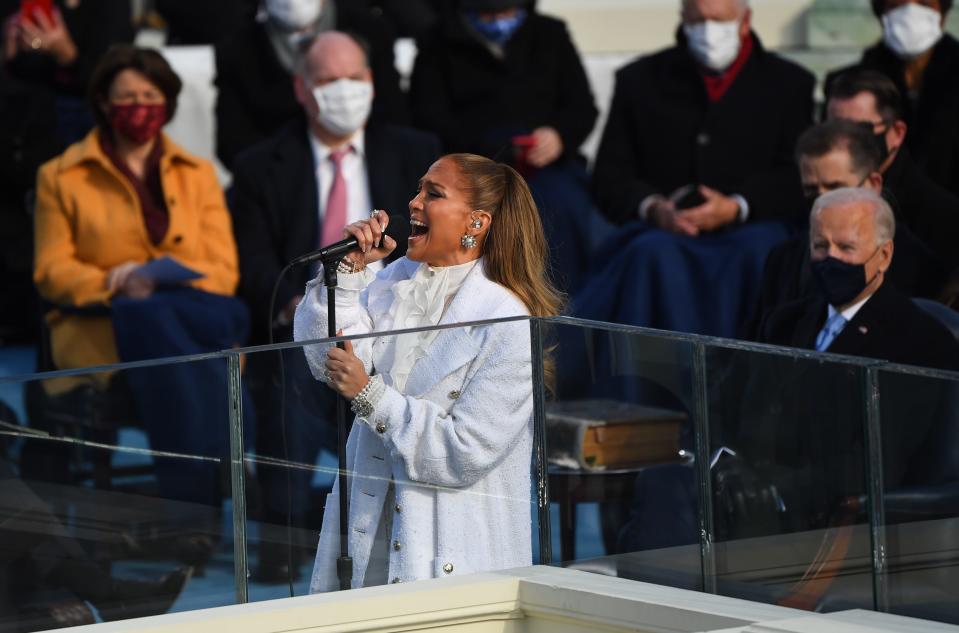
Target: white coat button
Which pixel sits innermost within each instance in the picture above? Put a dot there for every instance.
(396, 580)
(448, 568)
(453, 395)
(397, 546)
(381, 428)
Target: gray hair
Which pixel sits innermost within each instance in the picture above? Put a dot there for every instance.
(882, 215)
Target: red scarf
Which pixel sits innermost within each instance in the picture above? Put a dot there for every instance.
(718, 84)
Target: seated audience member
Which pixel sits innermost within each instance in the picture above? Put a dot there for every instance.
(833, 155)
(698, 144)
(499, 79)
(254, 68)
(923, 63)
(59, 51)
(927, 211)
(26, 141)
(856, 312)
(293, 193)
(124, 196)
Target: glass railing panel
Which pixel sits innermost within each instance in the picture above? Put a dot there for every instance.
(115, 494)
(440, 476)
(919, 513)
(620, 440)
(787, 454)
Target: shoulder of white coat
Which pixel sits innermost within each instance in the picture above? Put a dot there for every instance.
(499, 300)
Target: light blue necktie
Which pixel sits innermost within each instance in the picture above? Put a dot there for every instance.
(830, 331)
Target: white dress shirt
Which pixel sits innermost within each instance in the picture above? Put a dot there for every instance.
(358, 198)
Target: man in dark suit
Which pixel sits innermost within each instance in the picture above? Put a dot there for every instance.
(923, 63)
(851, 248)
(832, 155)
(723, 116)
(254, 68)
(698, 144)
(291, 194)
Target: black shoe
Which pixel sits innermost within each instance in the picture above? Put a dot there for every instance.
(138, 598)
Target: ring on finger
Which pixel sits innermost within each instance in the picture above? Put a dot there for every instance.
(36, 43)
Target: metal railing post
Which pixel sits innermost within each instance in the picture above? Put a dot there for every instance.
(238, 479)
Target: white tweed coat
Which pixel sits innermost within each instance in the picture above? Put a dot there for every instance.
(457, 443)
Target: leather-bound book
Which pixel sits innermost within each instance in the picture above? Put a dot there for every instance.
(606, 434)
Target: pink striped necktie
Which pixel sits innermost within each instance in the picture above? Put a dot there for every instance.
(335, 217)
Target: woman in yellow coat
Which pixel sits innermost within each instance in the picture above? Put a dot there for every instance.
(123, 197)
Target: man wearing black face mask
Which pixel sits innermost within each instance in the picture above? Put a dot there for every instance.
(921, 61)
(855, 312)
(929, 213)
(834, 154)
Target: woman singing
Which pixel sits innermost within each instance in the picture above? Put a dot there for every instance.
(440, 451)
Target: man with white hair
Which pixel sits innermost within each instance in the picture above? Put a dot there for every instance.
(717, 114)
(699, 145)
(851, 233)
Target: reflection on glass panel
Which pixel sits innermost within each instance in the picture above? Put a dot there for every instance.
(114, 501)
(919, 418)
(787, 458)
(619, 435)
(439, 474)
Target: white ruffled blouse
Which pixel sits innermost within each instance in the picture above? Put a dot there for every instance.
(420, 302)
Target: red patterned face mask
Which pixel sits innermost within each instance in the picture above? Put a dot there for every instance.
(139, 122)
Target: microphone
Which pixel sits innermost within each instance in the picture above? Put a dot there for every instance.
(398, 229)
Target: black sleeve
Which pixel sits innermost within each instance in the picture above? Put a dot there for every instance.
(236, 128)
(190, 22)
(430, 101)
(618, 178)
(260, 258)
(575, 114)
(937, 224)
(389, 102)
(776, 193)
(102, 24)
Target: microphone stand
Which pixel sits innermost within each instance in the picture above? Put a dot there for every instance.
(344, 564)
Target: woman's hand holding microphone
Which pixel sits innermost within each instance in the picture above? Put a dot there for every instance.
(374, 243)
(344, 371)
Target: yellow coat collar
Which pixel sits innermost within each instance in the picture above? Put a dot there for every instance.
(88, 149)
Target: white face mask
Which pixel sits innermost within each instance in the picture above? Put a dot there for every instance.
(911, 30)
(344, 105)
(713, 44)
(294, 15)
